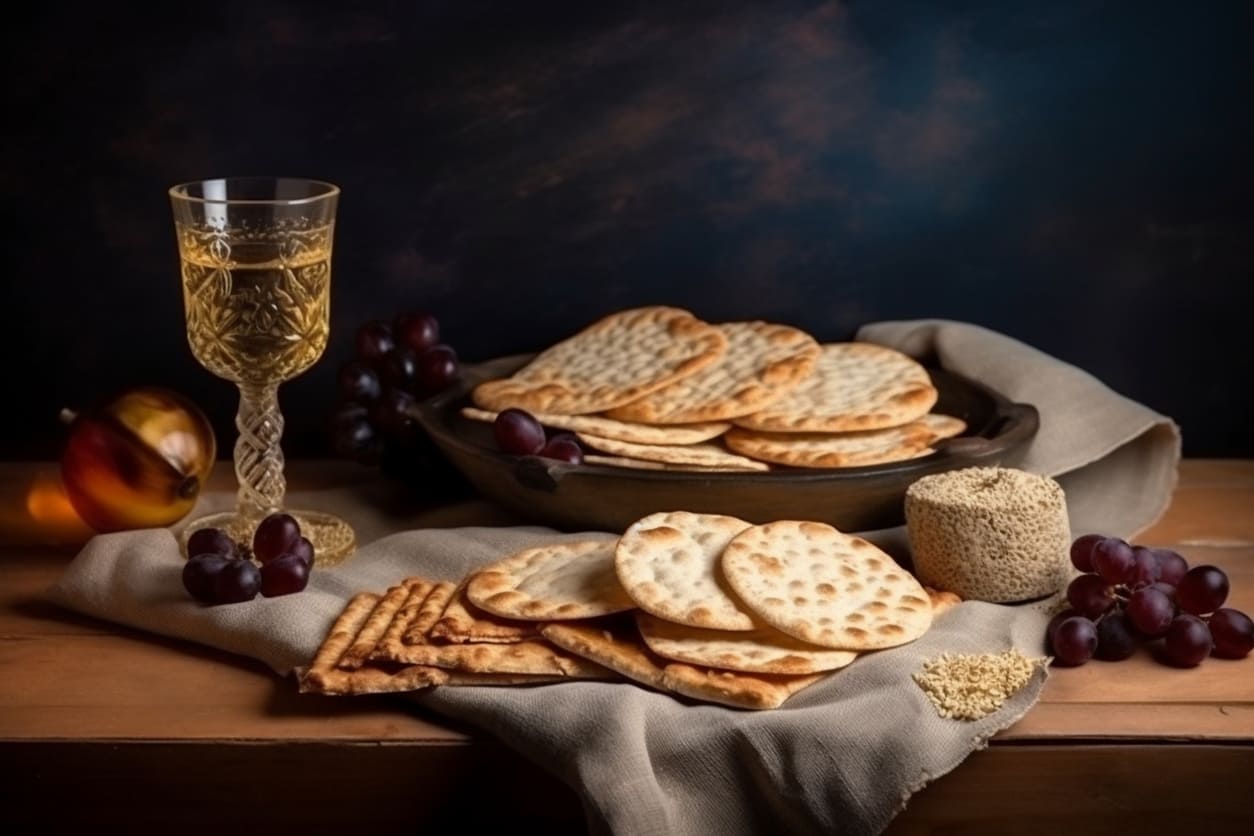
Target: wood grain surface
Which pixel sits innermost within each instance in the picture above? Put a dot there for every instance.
(80, 699)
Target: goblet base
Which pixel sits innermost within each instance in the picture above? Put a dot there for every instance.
(333, 539)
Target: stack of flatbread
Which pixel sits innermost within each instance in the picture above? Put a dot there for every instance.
(657, 388)
(704, 606)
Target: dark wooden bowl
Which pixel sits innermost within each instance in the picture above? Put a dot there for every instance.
(603, 498)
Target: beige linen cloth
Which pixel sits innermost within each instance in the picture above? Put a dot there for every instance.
(842, 756)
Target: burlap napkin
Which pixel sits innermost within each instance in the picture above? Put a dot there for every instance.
(1116, 459)
(842, 756)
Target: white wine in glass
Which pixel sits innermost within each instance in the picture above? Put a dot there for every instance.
(256, 265)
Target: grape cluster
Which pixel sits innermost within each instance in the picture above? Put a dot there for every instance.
(221, 570)
(394, 366)
(518, 433)
(1130, 593)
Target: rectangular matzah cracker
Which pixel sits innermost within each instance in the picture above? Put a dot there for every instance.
(324, 676)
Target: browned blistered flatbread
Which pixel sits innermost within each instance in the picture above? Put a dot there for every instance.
(535, 657)
(942, 601)
(461, 678)
(612, 643)
(617, 646)
(762, 363)
(644, 464)
(669, 564)
(845, 449)
(614, 361)
(761, 650)
(825, 587)
(823, 450)
(560, 581)
(854, 386)
(739, 690)
(603, 427)
(463, 622)
(706, 455)
(323, 676)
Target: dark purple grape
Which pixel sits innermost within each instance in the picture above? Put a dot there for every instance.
(1145, 569)
(563, 448)
(1089, 595)
(393, 415)
(1112, 559)
(1150, 611)
(1187, 642)
(417, 330)
(358, 442)
(353, 436)
(212, 541)
(374, 341)
(349, 412)
(1082, 551)
(1075, 640)
(237, 581)
(1203, 589)
(400, 369)
(518, 433)
(275, 535)
(1115, 639)
(1171, 566)
(1232, 632)
(303, 549)
(1166, 589)
(358, 382)
(1053, 625)
(198, 575)
(284, 575)
(437, 369)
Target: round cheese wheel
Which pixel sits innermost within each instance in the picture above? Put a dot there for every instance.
(990, 533)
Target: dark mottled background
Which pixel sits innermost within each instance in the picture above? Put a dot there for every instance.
(1074, 173)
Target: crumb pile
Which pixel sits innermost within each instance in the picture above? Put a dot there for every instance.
(971, 686)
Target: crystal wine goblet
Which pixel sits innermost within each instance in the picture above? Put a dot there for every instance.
(256, 265)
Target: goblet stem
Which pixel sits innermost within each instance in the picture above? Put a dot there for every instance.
(258, 456)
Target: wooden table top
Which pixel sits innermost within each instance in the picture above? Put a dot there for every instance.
(92, 703)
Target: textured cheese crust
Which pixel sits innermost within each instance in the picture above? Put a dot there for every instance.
(990, 534)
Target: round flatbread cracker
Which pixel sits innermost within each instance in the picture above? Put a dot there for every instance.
(619, 359)
(763, 362)
(854, 386)
(706, 455)
(831, 449)
(942, 426)
(561, 581)
(825, 587)
(855, 449)
(668, 562)
(643, 464)
(603, 427)
(760, 650)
